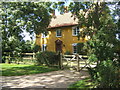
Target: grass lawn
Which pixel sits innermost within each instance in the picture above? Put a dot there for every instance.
(82, 84)
(17, 70)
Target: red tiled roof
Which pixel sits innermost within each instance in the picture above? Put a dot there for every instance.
(63, 20)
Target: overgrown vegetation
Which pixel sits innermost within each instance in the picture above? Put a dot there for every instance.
(107, 77)
(97, 22)
(80, 49)
(17, 70)
(68, 53)
(48, 58)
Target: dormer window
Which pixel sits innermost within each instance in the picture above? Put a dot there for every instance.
(58, 33)
(75, 31)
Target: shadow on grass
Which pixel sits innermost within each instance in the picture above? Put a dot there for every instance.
(26, 70)
(82, 84)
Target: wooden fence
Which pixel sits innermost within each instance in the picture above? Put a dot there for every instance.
(28, 57)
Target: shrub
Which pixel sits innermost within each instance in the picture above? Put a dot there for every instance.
(68, 53)
(106, 75)
(3, 59)
(80, 48)
(109, 75)
(36, 48)
(47, 57)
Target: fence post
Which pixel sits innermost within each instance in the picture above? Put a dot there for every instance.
(8, 58)
(61, 63)
(78, 65)
(60, 59)
(33, 56)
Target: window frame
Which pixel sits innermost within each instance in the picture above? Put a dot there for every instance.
(74, 45)
(57, 33)
(44, 47)
(75, 30)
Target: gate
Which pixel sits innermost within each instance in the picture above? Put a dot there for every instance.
(78, 62)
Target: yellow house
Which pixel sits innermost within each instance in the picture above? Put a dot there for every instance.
(62, 35)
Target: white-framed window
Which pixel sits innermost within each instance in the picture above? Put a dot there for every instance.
(75, 31)
(44, 47)
(43, 35)
(58, 33)
(74, 47)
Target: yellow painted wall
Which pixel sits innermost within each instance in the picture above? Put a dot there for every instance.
(67, 38)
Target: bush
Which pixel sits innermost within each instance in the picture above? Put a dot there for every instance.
(68, 53)
(80, 48)
(109, 75)
(36, 48)
(3, 59)
(106, 75)
(47, 57)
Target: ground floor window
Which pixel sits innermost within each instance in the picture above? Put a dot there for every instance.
(74, 47)
(44, 47)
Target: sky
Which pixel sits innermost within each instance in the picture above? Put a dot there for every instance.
(27, 36)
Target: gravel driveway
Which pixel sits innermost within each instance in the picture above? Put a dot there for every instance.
(55, 79)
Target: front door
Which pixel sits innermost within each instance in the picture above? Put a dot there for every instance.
(58, 45)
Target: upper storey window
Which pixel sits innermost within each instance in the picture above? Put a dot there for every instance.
(58, 33)
(75, 31)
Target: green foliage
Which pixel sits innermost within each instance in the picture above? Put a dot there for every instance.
(106, 75)
(109, 76)
(19, 17)
(30, 16)
(47, 57)
(3, 59)
(18, 70)
(36, 48)
(80, 48)
(68, 53)
(96, 21)
(14, 48)
(93, 58)
(27, 46)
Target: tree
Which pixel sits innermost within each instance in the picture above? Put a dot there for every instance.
(17, 17)
(96, 21)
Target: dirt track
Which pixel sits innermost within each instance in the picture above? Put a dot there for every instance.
(55, 79)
